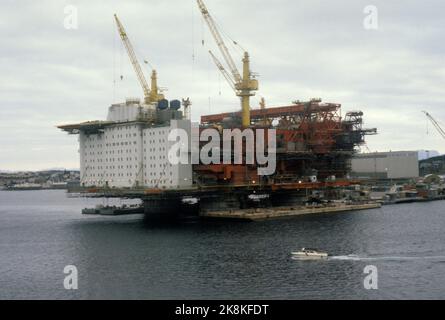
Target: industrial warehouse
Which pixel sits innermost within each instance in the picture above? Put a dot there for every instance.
(386, 165)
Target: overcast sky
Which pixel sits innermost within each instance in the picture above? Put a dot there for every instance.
(51, 75)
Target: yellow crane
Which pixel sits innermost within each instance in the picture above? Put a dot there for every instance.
(436, 124)
(243, 84)
(150, 95)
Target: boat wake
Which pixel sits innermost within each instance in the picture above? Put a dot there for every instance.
(353, 257)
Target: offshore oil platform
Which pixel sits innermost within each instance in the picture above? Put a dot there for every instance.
(127, 155)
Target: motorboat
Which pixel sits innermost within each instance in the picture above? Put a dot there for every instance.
(309, 253)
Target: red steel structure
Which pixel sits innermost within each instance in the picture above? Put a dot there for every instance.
(313, 139)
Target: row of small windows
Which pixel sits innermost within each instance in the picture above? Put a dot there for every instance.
(152, 181)
(154, 141)
(156, 181)
(122, 143)
(98, 146)
(112, 152)
(156, 158)
(121, 151)
(110, 136)
(126, 143)
(159, 157)
(111, 174)
(121, 128)
(160, 165)
(91, 145)
(154, 149)
(152, 133)
(152, 166)
(157, 174)
(110, 160)
(128, 135)
(111, 167)
(99, 182)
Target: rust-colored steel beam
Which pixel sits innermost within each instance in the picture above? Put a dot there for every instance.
(274, 112)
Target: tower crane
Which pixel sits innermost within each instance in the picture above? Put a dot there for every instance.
(243, 84)
(436, 124)
(150, 95)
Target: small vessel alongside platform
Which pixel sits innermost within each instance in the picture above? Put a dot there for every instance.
(114, 210)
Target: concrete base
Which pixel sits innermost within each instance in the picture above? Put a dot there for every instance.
(169, 209)
(280, 212)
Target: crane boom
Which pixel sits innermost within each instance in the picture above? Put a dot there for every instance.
(219, 41)
(150, 95)
(223, 71)
(243, 84)
(436, 124)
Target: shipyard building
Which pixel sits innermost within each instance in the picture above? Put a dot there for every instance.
(386, 165)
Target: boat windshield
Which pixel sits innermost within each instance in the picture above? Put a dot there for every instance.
(309, 249)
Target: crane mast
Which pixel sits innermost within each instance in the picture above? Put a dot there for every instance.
(244, 84)
(436, 124)
(150, 95)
